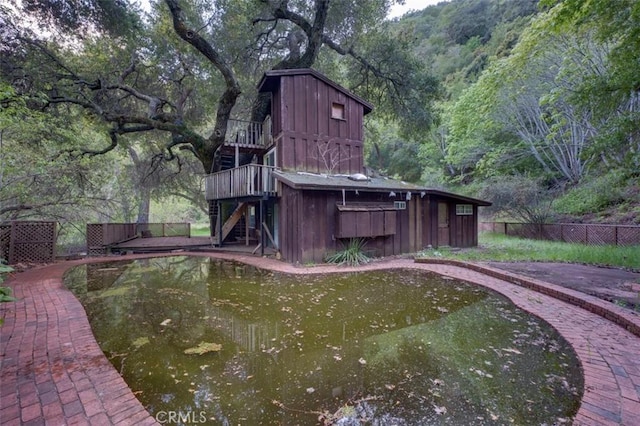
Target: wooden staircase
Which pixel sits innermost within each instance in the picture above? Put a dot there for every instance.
(230, 223)
(227, 161)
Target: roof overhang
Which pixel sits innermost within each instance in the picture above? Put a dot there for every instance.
(320, 182)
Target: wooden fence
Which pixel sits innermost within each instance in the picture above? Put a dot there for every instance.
(28, 242)
(101, 235)
(583, 233)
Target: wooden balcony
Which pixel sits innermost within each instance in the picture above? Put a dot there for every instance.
(251, 180)
(249, 134)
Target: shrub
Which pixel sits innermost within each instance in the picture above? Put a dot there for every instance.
(519, 197)
(592, 196)
(353, 253)
(5, 292)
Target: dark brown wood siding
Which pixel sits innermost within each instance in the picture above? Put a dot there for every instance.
(276, 112)
(288, 223)
(366, 223)
(464, 228)
(311, 226)
(307, 223)
(317, 154)
(307, 137)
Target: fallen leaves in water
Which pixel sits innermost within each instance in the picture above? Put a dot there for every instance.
(440, 410)
(203, 348)
(140, 341)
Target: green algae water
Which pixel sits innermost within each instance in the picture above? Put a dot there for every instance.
(206, 341)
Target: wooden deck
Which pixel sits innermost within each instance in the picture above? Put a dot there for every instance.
(250, 180)
(168, 244)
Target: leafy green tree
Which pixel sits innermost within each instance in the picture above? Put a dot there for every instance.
(391, 154)
(143, 85)
(458, 55)
(614, 95)
(529, 98)
(39, 180)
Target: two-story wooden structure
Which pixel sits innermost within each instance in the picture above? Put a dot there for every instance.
(304, 190)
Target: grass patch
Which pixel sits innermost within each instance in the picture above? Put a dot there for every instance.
(200, 230)
(502, 248)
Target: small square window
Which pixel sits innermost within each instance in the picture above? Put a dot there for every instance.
(337, 111)
(464, 209)
(400, 205)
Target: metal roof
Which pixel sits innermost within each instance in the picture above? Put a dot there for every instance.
(326, 182)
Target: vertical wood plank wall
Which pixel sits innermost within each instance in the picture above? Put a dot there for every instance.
(308, 224)
(302, 122)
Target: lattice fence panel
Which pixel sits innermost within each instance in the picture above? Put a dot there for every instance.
(513, 229)
(95, 237)
(599, 235)
(523, 230)
(581, 233)
(5, 241)
(628, 235)
(532, 231)
(552, 232)
(575, 233)
(30, 242)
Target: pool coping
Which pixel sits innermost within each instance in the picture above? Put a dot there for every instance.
(54, 372)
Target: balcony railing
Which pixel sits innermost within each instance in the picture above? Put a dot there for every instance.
(250, 180)
(249, 134)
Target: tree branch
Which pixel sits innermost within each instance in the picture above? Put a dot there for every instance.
(230, 96)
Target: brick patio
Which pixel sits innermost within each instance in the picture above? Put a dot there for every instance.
(54, 373)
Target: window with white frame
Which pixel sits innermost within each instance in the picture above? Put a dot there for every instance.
(400, 205)
(464, 209)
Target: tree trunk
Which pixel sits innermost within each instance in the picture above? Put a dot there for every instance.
(144, 203)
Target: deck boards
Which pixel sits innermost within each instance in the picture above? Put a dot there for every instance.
(167, 244)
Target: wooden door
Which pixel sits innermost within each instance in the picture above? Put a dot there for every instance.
(443, 224)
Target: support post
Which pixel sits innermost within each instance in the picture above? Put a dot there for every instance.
(246, 224)
(261, 227)
(219, 223)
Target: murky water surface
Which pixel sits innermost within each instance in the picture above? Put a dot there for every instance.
(205, 341)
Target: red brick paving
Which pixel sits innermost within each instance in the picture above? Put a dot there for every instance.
(54, 373)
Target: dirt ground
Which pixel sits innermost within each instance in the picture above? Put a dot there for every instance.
(615, 285)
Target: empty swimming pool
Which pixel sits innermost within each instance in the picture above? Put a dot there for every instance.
(220, 342)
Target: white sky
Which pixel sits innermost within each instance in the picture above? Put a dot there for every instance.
(396, 10)
(399, 10)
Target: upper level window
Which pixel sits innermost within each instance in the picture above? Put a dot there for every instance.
(464, 209)
(337, 111)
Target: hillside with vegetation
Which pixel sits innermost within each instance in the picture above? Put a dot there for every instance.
(539, 111)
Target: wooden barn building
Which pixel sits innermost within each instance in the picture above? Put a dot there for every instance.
(297, 181)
